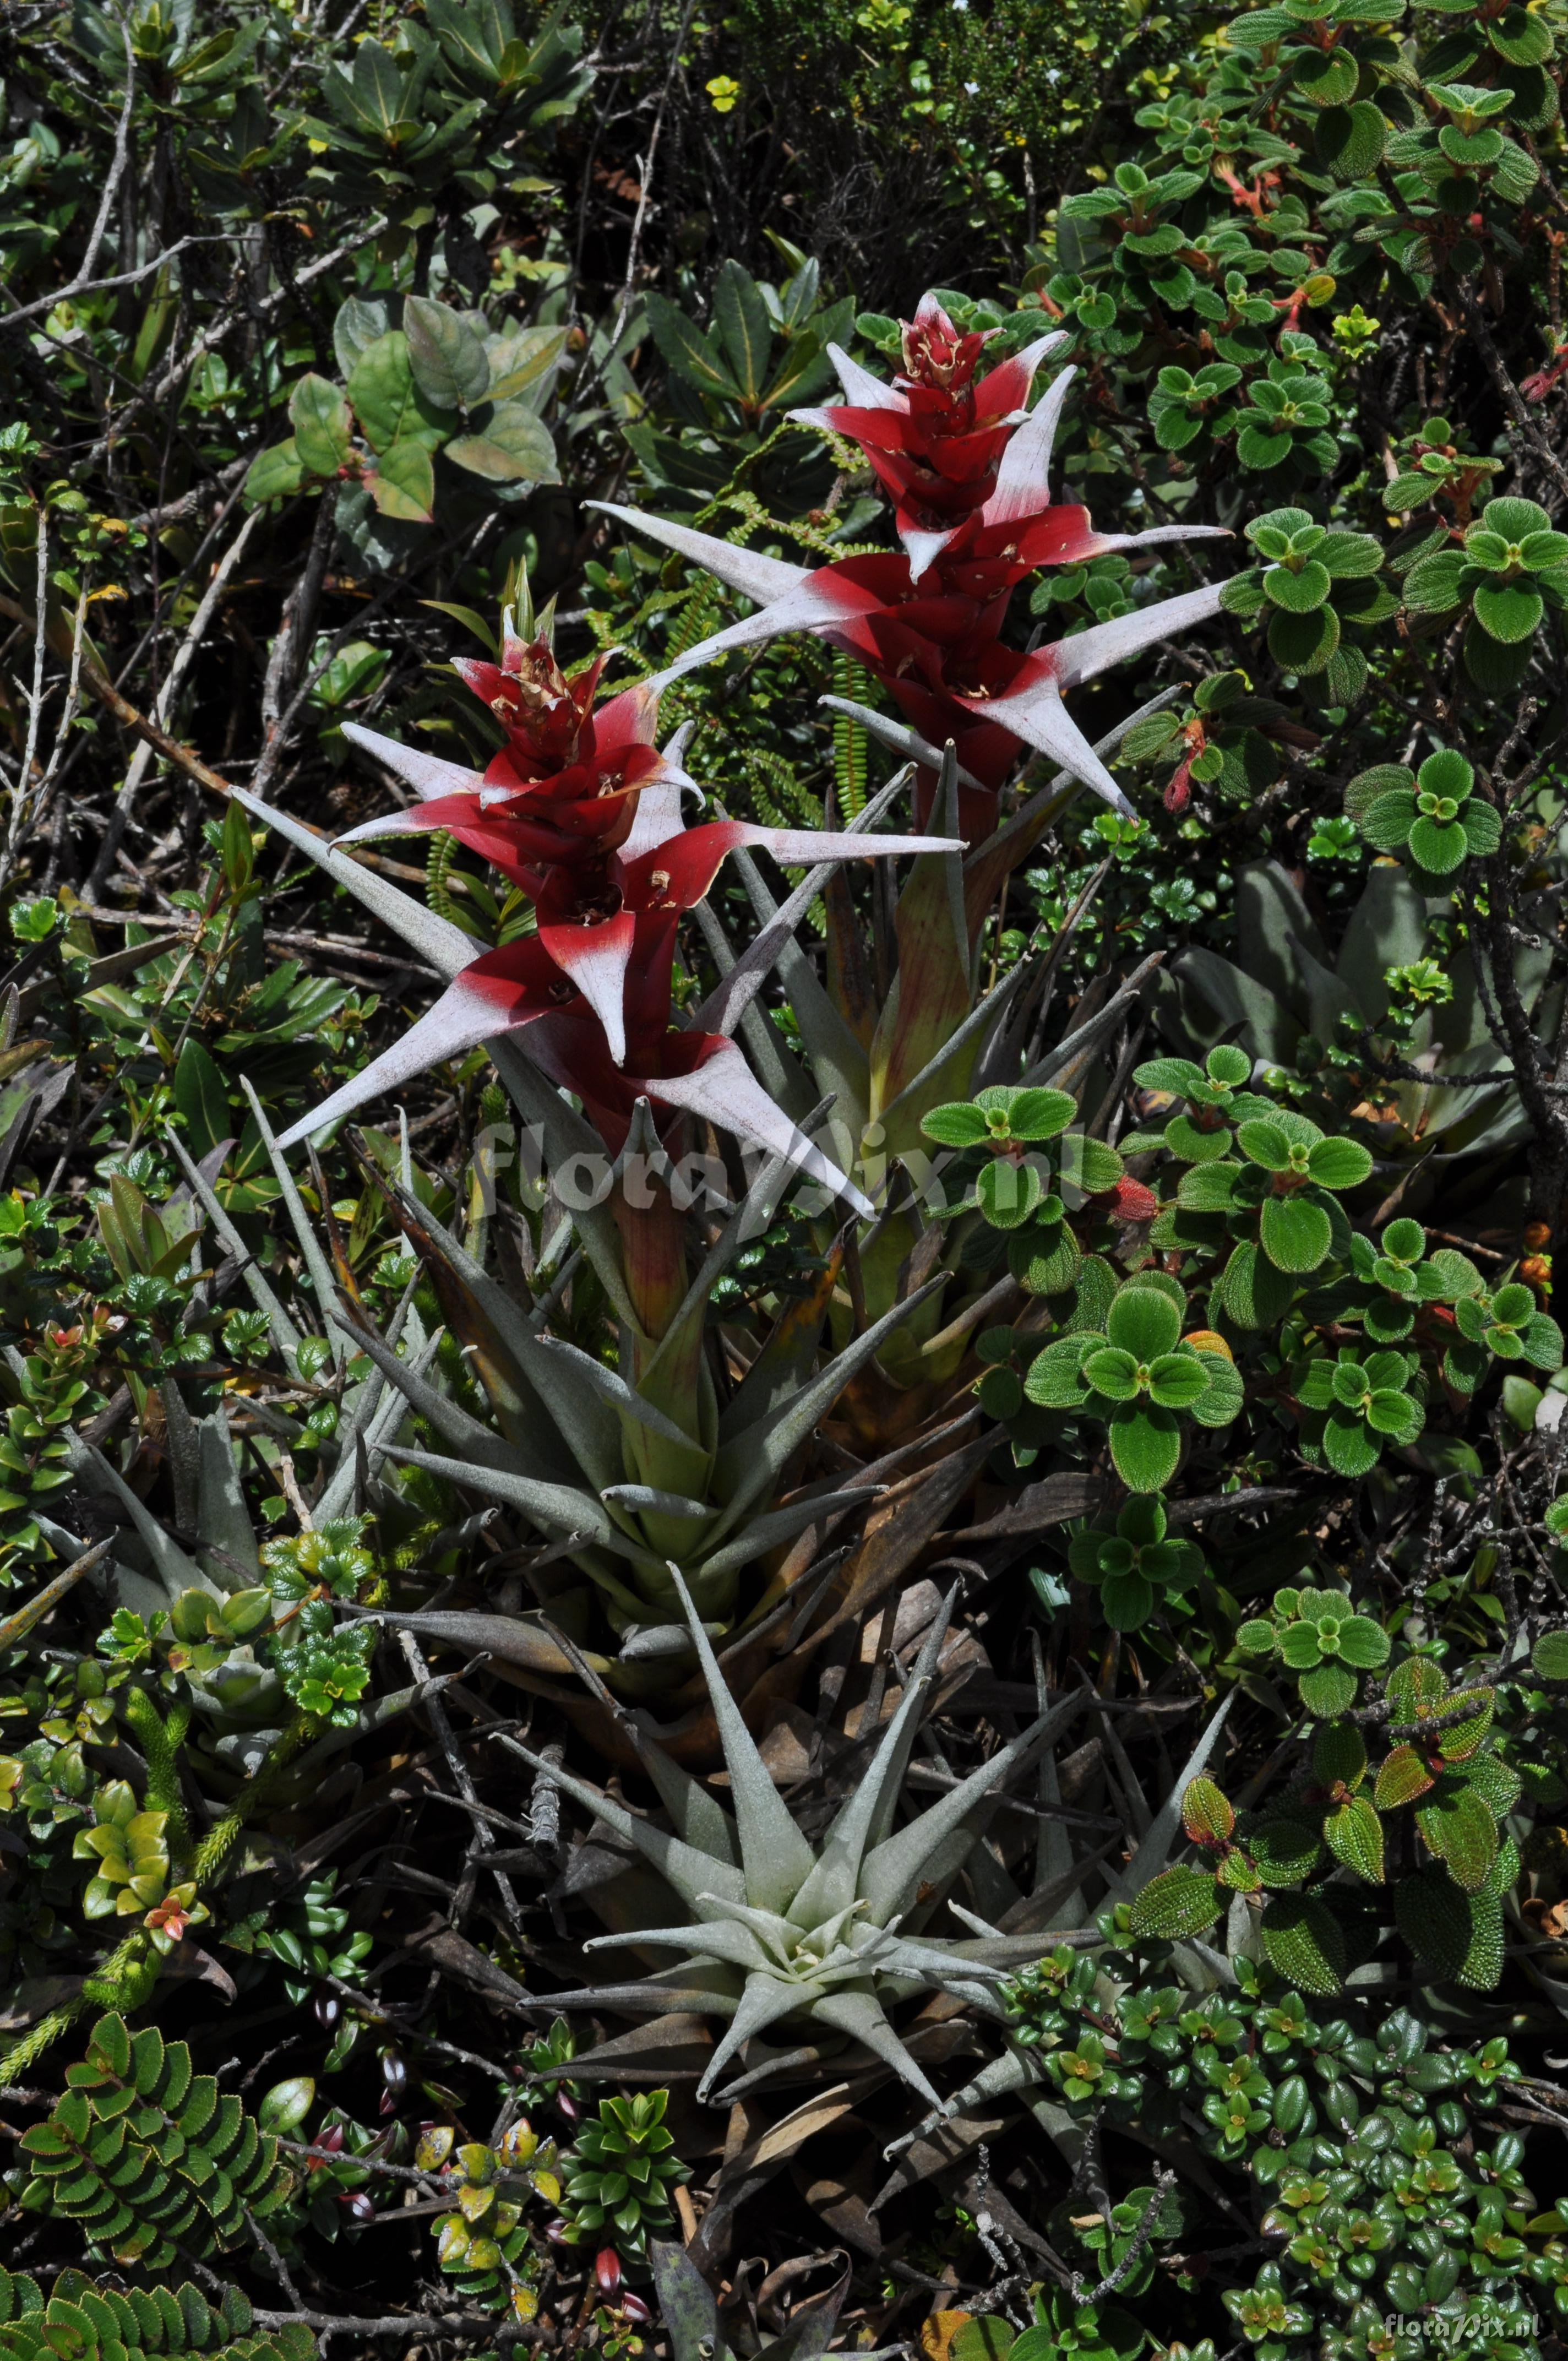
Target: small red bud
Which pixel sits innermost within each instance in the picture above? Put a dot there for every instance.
(634, 2308)
(1132, 1201)
(606, 2270)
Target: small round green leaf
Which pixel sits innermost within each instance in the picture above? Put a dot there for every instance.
(957, 1125)
(1509, 611)
(1265, 1143)
(1297, 593)
(1339, 1163)
(1008, 1193)
(1146, 1444)
(1144, 1322)
(1295, 1232)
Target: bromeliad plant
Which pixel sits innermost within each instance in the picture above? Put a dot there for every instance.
(581, 814)
(901, 1024)
(827, 1939)
(966, 463)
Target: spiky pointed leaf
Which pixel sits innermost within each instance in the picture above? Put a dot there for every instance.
(556, 1508)
(427, 775)
(285, 1335)
(890, 1874)
(775, 1855)
(322, 1276)
(446, 947)
(1154, 1851)
(867, 1812)
(693, 1875)
(751, 1460)
(861, 2015)
(764, 2001)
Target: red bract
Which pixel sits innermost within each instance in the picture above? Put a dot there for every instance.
(591, 987)
(969, 468)
(583, 813)
(934, 437)
(565, 786)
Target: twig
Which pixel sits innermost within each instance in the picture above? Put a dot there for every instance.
(121, 278)
(1164, 2179)
(95, 236)
(1512, 400)
(409, 2324)
(28, 808)
(294, 629)
(482, 1840)
(35, 702)
(163, 708)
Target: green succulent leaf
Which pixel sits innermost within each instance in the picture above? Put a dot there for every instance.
(1178, 1903)
(1295, 1232)
(1354, 1834)
(1304, 1941)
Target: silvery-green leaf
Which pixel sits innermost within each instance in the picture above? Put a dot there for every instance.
(776, 1856)
(766, 1532)
(692, 1873)
(750, 1462)
(543, 1377)
(446, 947)
(763, 2002)
(838, 1061)
(480, 1444)
(891, 1875)
(223, 1516)
(174, 1569)
(715, 1938)
(285, 1335)
(322, 1279)
(556, 1508)
(699, 1817)
(999, 2078)
(1155, 1849)
(861, 2015)
(377, 1416)
(866, 1814)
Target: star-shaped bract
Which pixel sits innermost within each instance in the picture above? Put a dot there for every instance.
(566, 787)
(975, 518)
(934, 437)
(592, 986)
